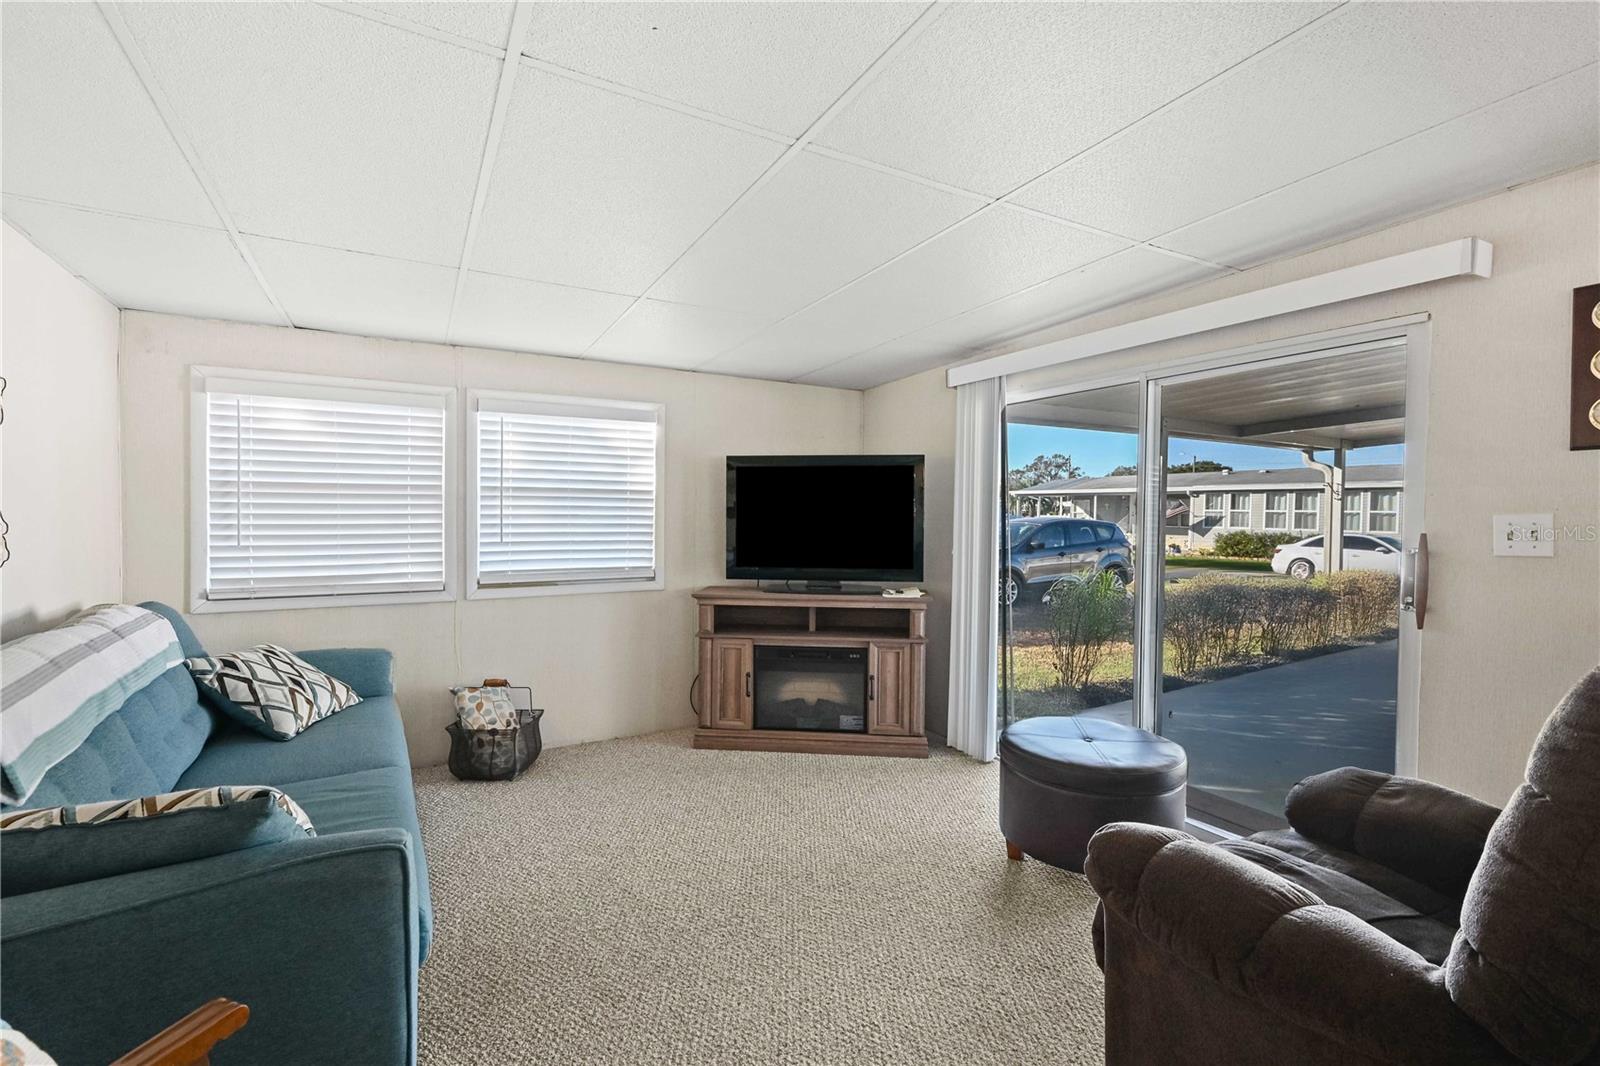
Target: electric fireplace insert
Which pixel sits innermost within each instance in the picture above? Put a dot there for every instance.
(811, 688)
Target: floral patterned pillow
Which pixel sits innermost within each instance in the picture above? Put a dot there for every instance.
(485, 707)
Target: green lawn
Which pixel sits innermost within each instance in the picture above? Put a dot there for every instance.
(1218, 562)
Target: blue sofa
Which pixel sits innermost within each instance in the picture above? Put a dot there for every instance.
(320, 937)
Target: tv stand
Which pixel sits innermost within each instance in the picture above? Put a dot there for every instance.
(824, 588)
(891, 633)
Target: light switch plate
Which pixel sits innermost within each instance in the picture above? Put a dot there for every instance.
(1528, 535)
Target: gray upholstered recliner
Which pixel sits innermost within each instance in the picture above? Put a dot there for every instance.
(1395, 922)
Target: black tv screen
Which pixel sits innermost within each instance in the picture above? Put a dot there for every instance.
(825, 517)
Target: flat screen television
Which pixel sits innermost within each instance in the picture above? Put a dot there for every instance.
(825, 519)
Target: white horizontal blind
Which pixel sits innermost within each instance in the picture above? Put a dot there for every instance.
(566, 493)
(322, 495)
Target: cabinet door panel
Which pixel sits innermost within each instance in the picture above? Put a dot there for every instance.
(732, 683)
(889, 689)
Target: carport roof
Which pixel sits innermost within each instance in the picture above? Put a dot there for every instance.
(1377, 475)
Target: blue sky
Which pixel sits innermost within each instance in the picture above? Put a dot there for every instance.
(1098, 451)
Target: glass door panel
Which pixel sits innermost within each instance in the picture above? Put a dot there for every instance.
(1278, 600)
(1067, 615)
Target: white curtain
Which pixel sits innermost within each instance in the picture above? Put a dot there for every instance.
(975, 598)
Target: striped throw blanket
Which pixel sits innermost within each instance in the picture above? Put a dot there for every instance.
(56, 686)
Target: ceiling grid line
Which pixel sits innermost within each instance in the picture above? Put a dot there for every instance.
(1004, 199)
(169, 118)
(372, 14)
(918, 26)
(521, 16)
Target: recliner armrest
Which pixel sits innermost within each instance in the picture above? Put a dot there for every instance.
(1314, 966)
(1427, 832)
(367, 670)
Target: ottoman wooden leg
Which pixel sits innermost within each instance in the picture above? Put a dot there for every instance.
(1013, 852)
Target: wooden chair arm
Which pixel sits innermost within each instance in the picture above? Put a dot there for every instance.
(189, 1040)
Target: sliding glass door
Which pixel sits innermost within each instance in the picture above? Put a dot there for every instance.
(1217, 554)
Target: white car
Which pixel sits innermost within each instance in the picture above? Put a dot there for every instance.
(1303, 558)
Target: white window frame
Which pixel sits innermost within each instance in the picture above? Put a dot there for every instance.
(1315, 510)
(1220, 511)
(1357, 512)
(1374, 511)
(475, 591)
(204, 379)
(1267, 511)
(1234, 498)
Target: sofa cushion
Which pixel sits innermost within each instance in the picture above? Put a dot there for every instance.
(140, 750)
(270, 690)
(1422, 898)
(367, 736)
(371, 799)
(1524, 966)
(1401, 922)
(50, 846)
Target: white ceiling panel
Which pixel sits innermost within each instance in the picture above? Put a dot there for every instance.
(148, 266)
(603, 191)
(818, 224)
(484, 21)
(1542, 131)
(995, 94)
(531, 316)
(354, 292)
(997, 253)
(677, 335)
(323, 128)
(79, 127)
(1360, 79)
(774, 65)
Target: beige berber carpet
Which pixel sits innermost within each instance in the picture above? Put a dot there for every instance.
(636, 901)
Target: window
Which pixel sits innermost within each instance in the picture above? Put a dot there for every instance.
(1360, 544)
(1106, 534)
(566, 493)
(1383, 510)
(307, 490)
(1213, 505)
(1082, 535)
(1239, 510)
(1277, 513)
(1352, 510)
(1307, 508)
(1051, 537)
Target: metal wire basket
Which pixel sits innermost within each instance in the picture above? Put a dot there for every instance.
(496, 754)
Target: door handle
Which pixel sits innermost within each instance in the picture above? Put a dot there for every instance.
(747, 684)
(872, 686)
(1414, 580)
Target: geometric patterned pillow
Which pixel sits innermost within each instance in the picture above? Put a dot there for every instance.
(50, 846)
(485, 707)
(270, 689)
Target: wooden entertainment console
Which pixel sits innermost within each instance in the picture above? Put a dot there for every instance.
(735, 621)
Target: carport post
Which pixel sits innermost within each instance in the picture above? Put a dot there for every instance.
(1332, 507)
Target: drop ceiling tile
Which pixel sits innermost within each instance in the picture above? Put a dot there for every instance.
(818, 224)
(890, 362)
(481, 21)
(147, 266)
(1542, 131)
(1367, 76)
(79, 126)
(677, 335)
(531, 316)
(774, 65)
(326, 129)
(995, 94)
(603, 191)
(997, 253)
(354, 292)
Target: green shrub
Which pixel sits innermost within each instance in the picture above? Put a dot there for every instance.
(1245, 544)
(1366, 602)
(1292, 616)
(1085, 617)
(1207, 620)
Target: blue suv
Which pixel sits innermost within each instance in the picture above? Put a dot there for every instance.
(1042, 551)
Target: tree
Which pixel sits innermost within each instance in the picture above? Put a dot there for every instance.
(1198, 466)
(1044, 468)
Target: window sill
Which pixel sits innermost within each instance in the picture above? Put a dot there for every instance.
(300, 603)
(575, 588)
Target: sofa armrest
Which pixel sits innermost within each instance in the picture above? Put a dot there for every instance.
(1310, 965)
(317, 937)
(1425, 831)
(367, 670)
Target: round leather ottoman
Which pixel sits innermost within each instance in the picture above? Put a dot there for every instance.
(1063, 778)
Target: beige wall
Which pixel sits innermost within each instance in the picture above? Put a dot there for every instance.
(602, 664)
(917, 415)
(1505, 637)
(61, 474)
